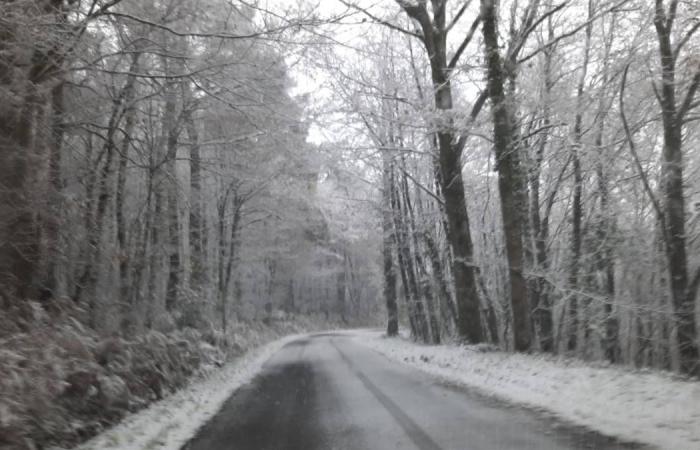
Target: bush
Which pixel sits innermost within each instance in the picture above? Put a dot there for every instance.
(62, 383)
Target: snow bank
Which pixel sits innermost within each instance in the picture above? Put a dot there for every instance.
(169, 423)
(638, 406)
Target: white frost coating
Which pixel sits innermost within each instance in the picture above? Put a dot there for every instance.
(171, 422)
(641, 406)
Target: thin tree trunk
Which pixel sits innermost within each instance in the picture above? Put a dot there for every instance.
(232, 259)
(541, 302)
(198, 275)
(415, 304)
(388, 238)
(95, 229)
(55, 185)
(606, 262)
(577, 203)
(171, 132)
(125, 295)
(426, 288)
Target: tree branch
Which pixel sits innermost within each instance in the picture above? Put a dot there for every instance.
(458, 16)
(423, 188)
(684, 40)
(672, 9)
(689, 96)
(419, 13)
(380, 20)
(458, 54)
(524, 34)
(476, 109)
(570, 33)
(216, 35)
(693, 286)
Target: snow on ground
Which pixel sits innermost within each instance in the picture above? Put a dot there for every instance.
(171, 422)
(638, 406)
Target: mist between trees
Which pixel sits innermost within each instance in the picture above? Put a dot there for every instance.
(520, 173)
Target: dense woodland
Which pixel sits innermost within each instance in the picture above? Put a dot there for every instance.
(153, 174)
(159, 206)
(521, 173)
(537, 171)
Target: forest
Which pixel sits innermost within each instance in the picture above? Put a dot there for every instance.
(182, 179)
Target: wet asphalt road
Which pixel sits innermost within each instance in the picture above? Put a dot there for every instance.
(326, 392)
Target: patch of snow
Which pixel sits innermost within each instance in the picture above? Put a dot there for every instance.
(647, 407)
(171, 422)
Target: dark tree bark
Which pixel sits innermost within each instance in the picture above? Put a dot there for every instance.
(434, 38)
(683, 289)
(577, 202)
(231, 258)
(541, 303)
(171, 131)
(388, 238)
(606, 261)
(341, 289)
(125, 297)
(198, 276)
(605, 232)
(510, 184)
(27, 74)
(52, 222)
(154, 220)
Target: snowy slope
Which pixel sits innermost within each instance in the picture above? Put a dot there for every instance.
(168, 424)
(647, 407)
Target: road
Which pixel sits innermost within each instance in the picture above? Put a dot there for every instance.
(328, 392)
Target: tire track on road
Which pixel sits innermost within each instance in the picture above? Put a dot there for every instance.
(418, 436)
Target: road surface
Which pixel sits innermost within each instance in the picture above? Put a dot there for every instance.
(326, 392)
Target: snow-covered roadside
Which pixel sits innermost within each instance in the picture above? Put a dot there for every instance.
(645, 407)
(169, 423)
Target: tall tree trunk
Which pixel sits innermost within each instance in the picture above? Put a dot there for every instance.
(232, 257)
(605, 258)
(388, 238)
(87, 283)
(125, 295)
(541, 303)
(683, 290)
(577, 204)
(24, 81)
(434, 37)
(222, 265)
(510, 184)
(341, 288)
(55, 186)
(155, 257)
(171, 132)
(198, 275)
(19, 239)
